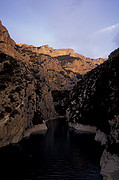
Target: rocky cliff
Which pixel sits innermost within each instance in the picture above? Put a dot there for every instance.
(95, 101)
(24, 101)
(34, 84)
(25, 92)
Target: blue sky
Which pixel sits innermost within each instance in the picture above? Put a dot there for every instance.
(90, 27)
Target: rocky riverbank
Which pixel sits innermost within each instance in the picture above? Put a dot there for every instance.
(83, 128)
(109, 162)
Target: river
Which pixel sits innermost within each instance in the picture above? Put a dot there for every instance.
(60, 153)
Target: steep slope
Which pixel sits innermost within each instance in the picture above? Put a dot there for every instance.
(95, 101)
(8, 45)
(5, 39)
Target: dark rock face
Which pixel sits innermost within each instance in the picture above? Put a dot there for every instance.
(95, 101)
(60, 99)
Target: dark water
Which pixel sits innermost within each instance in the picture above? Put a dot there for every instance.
(60, 154)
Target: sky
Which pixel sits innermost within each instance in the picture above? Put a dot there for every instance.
(90, 27)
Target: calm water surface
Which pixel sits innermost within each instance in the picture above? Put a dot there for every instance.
(60, 154)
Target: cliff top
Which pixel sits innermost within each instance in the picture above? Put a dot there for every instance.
(45, 49)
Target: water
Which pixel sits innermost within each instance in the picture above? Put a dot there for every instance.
(58, 154)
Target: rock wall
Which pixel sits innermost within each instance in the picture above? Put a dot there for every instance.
(16, 106)
(24, 102)
(95, 101)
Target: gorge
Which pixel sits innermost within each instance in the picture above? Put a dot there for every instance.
(38, 84)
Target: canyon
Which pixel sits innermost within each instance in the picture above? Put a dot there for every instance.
(41, 83)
